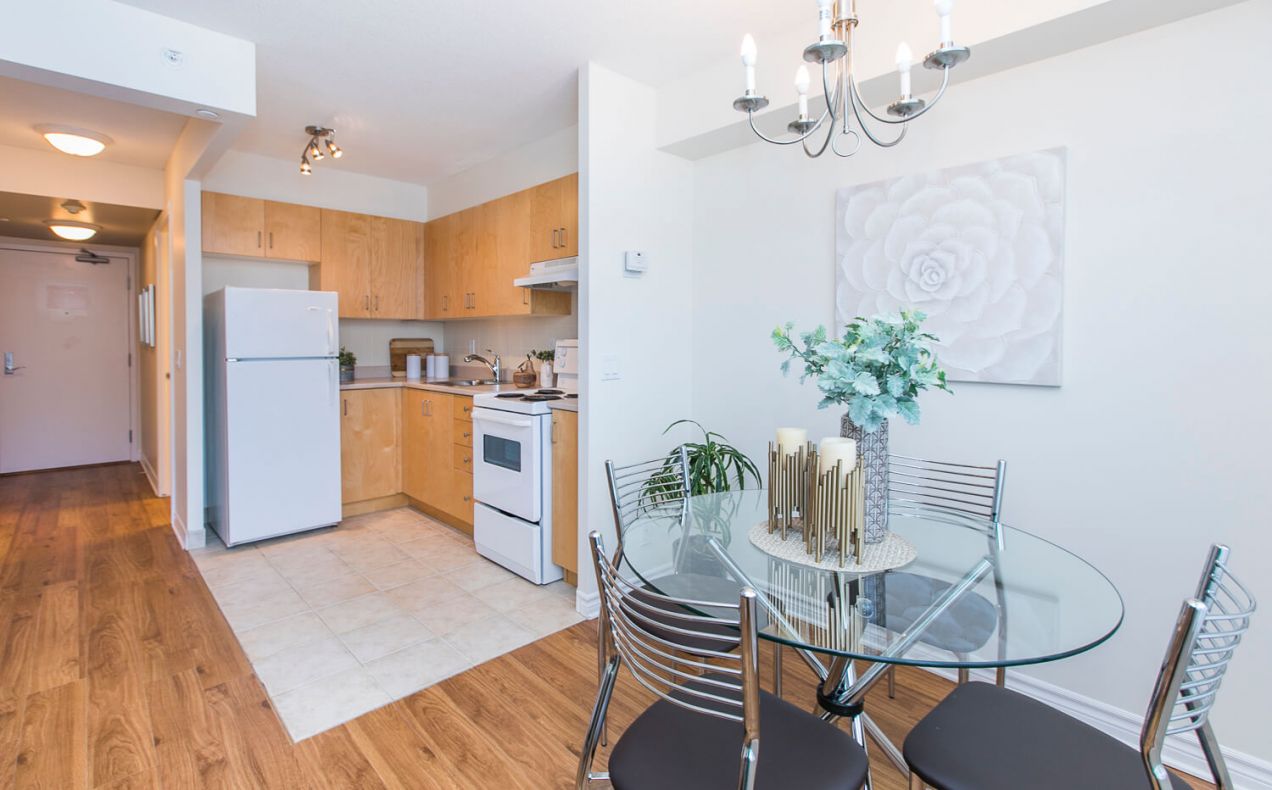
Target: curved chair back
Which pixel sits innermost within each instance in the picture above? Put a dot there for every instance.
(961, 488)
(649, 489)
(1209, 628)
(660, 641)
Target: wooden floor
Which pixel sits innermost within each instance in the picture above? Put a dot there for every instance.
(118, 671)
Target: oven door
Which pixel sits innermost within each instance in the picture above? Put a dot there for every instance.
(507, 462)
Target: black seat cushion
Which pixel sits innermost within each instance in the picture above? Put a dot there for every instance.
(983, 737)
(963, 628)
(694, 587)
(671, 748)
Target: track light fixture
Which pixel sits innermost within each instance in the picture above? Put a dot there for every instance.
(319, 136)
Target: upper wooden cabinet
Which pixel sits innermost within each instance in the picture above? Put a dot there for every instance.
(471, 257)
(234, 225)
(373, 263)
(554, 219)
(292, 232)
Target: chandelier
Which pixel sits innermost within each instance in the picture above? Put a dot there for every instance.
(837, 26)
(319, 136)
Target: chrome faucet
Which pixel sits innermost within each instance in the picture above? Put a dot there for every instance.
(496, 367)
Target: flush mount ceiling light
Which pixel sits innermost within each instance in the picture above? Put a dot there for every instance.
(71, 230)
(74, 141)
(837, 23)
(319, 137)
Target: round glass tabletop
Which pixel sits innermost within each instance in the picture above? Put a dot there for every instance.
(971, 597)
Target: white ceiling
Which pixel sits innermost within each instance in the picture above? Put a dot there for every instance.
(421, 89)
(142, 137)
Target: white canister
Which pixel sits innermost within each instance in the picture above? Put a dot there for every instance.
(443, 367)
(545, 374)
(430, 366)
(413, 367)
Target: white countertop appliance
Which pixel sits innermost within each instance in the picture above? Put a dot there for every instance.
(566, 365)
(273, 412)
(512, 482)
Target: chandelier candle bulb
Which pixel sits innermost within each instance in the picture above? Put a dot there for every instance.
(825, 10)
(905, 59)
(748, 62)
(801, 88)
(945, 8)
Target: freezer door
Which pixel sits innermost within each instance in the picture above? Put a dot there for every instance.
(282, 466)
(269, 323)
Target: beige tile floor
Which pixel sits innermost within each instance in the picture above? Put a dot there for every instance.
(340, 621)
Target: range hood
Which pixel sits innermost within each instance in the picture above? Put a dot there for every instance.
(561, 274)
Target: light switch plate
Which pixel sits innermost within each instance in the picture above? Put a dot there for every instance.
(610, 368)
(635, 263)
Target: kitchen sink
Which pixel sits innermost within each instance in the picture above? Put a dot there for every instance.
(468, 382)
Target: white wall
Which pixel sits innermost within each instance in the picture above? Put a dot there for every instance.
(533, 163)
(632, 197)
(332, 185)
(1155, 444)
(51, 173)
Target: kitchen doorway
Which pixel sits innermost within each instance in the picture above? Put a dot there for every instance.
(66, 391)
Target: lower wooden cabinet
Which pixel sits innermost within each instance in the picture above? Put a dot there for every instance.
(433, 452)
(370, 441)
(565, 492)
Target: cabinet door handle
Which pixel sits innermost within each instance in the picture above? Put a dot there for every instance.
(445, 302)
(271, 239)
(468, 459)
(525, 296)
(428, 408)
(366, 303)
(467, 434)
(258, 239)
(554, 430)
(467, 498)
(377, 303)
(563, 235)
(345, 401)
(467, 409)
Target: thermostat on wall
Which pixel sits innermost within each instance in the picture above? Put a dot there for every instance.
(635, 263)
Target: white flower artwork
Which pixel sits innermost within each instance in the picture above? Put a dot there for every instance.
(979, 248)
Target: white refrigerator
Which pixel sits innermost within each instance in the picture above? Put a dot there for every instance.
(272, 412)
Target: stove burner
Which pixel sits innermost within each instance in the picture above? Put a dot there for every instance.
(572, 395)
(536, 398)
(549, 392)
(517, 395)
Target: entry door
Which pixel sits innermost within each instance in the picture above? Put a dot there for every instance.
(66, 323)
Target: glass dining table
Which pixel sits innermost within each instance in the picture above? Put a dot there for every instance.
(977, 595)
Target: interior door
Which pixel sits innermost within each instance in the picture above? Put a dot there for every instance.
(64, 399)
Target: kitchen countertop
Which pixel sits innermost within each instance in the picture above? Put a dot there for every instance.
(384, 382)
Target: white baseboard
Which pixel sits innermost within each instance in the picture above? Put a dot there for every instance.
(188, 538)
(587, 604)
(150, 474)
(1182, 752)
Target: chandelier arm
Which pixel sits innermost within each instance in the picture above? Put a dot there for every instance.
(856, 137)
(830, 110)
(870, 135)
(945, 81)
(750, 117)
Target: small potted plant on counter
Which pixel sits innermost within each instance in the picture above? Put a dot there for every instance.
(347, 362)
(545, 367)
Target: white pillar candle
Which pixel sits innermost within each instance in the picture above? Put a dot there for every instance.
(789, 440)
(833, 449)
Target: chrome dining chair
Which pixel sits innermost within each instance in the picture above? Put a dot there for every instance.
(660, 490)
(690, 737)
(990, 738)
(962, 489)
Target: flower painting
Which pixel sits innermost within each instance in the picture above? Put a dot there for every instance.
(978, 248)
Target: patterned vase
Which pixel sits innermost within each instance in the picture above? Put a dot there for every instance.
(872, 448)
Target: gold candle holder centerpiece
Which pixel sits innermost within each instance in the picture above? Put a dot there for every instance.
(825, 508)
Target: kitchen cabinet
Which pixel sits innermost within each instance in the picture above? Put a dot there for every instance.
(370, 442)
(292, 232)
(373, 263)
(554, 219)
(234, 225)
(472, 256)
(565, 492)
(436, 462)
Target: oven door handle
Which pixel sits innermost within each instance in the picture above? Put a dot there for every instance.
(482, 415)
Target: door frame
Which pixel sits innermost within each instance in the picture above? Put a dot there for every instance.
(134, 370)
